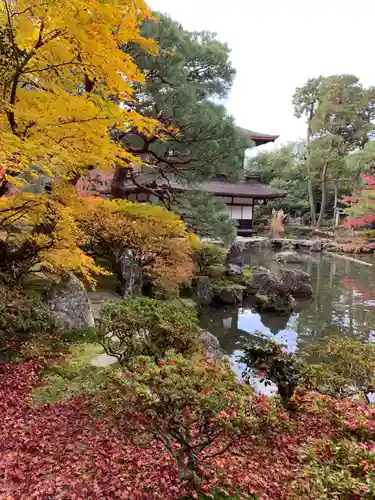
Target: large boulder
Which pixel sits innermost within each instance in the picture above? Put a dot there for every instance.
(316, 246)
(262, 280)
(297, 283)
(281, 303)
(128, 273)
(204, 293)
(211, 345)
(70, 303)
(234, 255)
(288, 257)
(228, 293)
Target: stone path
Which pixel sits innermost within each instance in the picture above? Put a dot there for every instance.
(98, 299)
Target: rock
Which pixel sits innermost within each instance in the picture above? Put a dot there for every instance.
(316, 246)
(71, 304)
(297, 283)
(274, 302)
(211, 345)
(287, 246)
(234, 256)
(262, 279)
(128, 272)
(234, 270)
(288, 257)
(204, 290)
(228, 293)
(103, 360)
(292, 282)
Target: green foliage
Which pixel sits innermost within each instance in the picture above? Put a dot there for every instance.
(347, 367)
(209, 259)
(247, 273)
(341, 469)
(188, 405)
(339, 112)
(369, 234)
(205, 216)
(274, 365)
(149, 327)
(21, 319)
(283, 169)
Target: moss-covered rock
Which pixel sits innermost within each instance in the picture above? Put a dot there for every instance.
(274, 302)
(228, 292)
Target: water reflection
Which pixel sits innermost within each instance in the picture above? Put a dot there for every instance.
(343, 305)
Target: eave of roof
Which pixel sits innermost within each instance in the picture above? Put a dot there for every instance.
(252, 189)
(258, 137)
(243, 190)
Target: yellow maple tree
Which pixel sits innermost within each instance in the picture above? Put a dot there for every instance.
(65, 81)
(157, 238)
(42, 231)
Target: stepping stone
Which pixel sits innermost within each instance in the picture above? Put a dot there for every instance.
(103, 360)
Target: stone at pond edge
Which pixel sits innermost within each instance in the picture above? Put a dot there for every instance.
(274, 302)
(204, 290)
(69, 301)
(262, 279)
(316, 246)
(228, 293)
(288, 257)
(234, 270)
(211, 345)
(297, 283)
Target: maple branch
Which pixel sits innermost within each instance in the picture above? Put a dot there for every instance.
(47, 68)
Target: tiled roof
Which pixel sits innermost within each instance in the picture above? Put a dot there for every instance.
(258, 137)
(251, 189)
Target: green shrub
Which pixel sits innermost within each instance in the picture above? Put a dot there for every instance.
(272, 364)
(341, 469)
(370, 235)
(74, 376)
(188, 405)
(209, 259)
(347, 367)
(149, 327)
(21, 319)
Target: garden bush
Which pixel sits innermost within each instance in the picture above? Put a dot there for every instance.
(346, 368)
(274, 365)
(338, 469)
(149, 327)
(209, 259)
(193, 407)
(21, 319)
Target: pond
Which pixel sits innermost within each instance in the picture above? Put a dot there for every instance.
(343, 305)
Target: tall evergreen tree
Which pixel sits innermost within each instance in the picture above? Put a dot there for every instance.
(185, 85)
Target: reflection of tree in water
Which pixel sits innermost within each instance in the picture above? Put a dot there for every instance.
(342, 306)
(275, 322)
(339, 307)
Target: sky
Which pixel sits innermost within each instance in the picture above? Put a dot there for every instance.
(277, 45)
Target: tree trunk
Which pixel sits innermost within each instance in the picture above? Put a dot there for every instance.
(324, 196)
(309, 180)
(335, 203)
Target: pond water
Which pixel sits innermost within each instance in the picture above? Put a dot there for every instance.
(343, 305)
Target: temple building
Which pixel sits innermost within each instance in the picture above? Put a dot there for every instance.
(239, 198)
